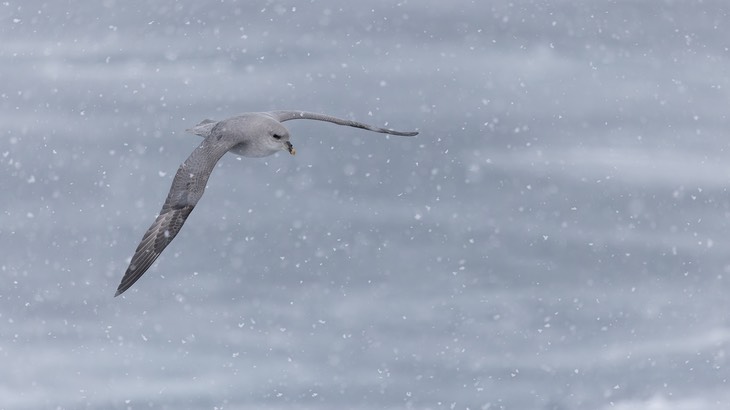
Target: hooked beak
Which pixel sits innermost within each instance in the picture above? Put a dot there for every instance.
(291, 148)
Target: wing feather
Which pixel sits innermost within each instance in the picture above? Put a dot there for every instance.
(155, 240)
(187, 188)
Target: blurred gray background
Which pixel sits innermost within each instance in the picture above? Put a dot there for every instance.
(555, 238)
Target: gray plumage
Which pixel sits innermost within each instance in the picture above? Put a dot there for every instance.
(250, 135)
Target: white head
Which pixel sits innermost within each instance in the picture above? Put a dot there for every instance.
(267, 136)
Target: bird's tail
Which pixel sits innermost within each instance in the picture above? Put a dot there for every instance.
(203, 129)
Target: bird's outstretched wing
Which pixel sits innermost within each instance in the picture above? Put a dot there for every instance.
(282, 116)
(154, 241)
(186, 190)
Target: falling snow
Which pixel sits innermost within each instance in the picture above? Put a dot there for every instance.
(553, 239)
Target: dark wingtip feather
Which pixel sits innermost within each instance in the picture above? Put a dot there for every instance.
(405, 133)
(130, 277)
(154, 241)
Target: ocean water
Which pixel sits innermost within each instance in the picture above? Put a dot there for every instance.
(555, 237)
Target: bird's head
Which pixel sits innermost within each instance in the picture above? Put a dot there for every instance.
(268, 136)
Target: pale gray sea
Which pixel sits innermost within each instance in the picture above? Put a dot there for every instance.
(556, 238)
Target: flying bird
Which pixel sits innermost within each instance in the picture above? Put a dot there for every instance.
(256, 134)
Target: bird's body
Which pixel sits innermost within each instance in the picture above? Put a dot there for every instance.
(250, 135)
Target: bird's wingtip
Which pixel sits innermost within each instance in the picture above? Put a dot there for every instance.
(404, 133)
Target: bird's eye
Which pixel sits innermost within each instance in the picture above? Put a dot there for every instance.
(277, 136)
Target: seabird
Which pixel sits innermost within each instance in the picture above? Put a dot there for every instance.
(256, 134)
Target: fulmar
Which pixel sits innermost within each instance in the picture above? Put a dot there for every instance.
(255, 134)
